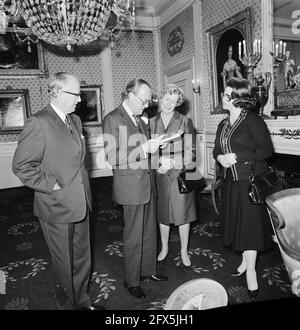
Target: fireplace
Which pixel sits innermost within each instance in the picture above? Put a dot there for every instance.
(287, 168)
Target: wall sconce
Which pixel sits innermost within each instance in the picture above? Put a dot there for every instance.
(196, 86)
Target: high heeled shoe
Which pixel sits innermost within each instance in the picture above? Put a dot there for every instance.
(188, 264)
(162, 256)
(236, 273)
(253, 294)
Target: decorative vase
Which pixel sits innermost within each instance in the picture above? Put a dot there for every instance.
(261, 93)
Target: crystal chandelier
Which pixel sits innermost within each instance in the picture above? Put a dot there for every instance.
(70, 22)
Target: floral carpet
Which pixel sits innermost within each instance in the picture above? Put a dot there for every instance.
(25, 259)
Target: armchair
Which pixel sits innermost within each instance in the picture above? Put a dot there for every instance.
(284, 211)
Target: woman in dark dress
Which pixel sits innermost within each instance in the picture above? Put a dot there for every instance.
(173, 207)
(242, 140)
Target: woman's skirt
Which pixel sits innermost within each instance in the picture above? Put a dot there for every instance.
(245, 226)
(173, 207)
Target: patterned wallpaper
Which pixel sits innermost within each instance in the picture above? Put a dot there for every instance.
(133, 57)
(185, 21)
(214, 12)
(85, 63)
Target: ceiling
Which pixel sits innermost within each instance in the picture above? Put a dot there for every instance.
(153, 5)
(284, 8)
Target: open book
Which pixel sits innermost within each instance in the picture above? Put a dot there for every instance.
(171, 136)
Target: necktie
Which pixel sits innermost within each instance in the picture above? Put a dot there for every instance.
(68, 123)
(138, 123)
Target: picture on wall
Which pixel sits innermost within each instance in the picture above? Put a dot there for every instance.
(21, 54)
(224, 63)
(14, 110)
(227, 59)
(90, 108)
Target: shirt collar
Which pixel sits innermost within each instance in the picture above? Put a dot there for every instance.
(127, 109)
(61, 114)
(129, 112)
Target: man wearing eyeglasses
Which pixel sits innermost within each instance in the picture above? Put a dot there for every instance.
(50, 160)
(128, 147)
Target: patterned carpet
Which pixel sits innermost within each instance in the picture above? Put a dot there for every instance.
(25, 259)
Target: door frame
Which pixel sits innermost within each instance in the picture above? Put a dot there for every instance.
(178, 68)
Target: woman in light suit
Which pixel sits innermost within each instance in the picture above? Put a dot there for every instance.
(173, 207)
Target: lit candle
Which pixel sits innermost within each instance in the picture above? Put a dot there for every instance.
(280, 47)
(259, 46)
(244, 48)
(276, 50)
(284, 48)
(254, 46)
(240, 49)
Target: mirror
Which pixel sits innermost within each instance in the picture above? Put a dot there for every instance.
(286, 49)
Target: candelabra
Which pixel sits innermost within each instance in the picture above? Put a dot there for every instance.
(278, 59)
(260, 84)
(250, 62)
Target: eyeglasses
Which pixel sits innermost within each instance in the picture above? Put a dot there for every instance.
(75, 94)
(228, 97)
(143, 102)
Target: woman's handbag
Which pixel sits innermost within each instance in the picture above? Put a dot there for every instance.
(189, 180)
(260, 187)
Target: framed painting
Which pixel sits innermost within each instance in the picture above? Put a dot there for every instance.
(90, 108)
(21, 54)
(14, 110)
(224, 63)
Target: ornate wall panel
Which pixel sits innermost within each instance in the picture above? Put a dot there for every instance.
(185, 21)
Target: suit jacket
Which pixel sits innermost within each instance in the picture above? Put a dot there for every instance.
(133, 178)
(49, 153)
(249, 139)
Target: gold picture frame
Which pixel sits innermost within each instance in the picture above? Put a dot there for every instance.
(228, 33)
(22, 54)
(14, 110)
(90, 108)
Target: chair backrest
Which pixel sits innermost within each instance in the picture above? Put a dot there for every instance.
(285, 211)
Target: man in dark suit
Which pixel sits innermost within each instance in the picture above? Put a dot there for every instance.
(50, 160)
(128, 147)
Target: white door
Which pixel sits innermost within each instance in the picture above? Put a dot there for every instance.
(183, 79)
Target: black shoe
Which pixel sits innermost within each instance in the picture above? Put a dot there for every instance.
(94, 307)
(136, 291)
(253, 294)
(154, 278)
(237, 273)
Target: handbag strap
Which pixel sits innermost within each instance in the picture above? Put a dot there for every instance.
(252, 172)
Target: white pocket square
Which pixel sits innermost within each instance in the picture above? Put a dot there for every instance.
(145, 120)
(81, 136)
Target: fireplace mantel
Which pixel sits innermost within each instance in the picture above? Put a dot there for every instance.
(285, 134)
